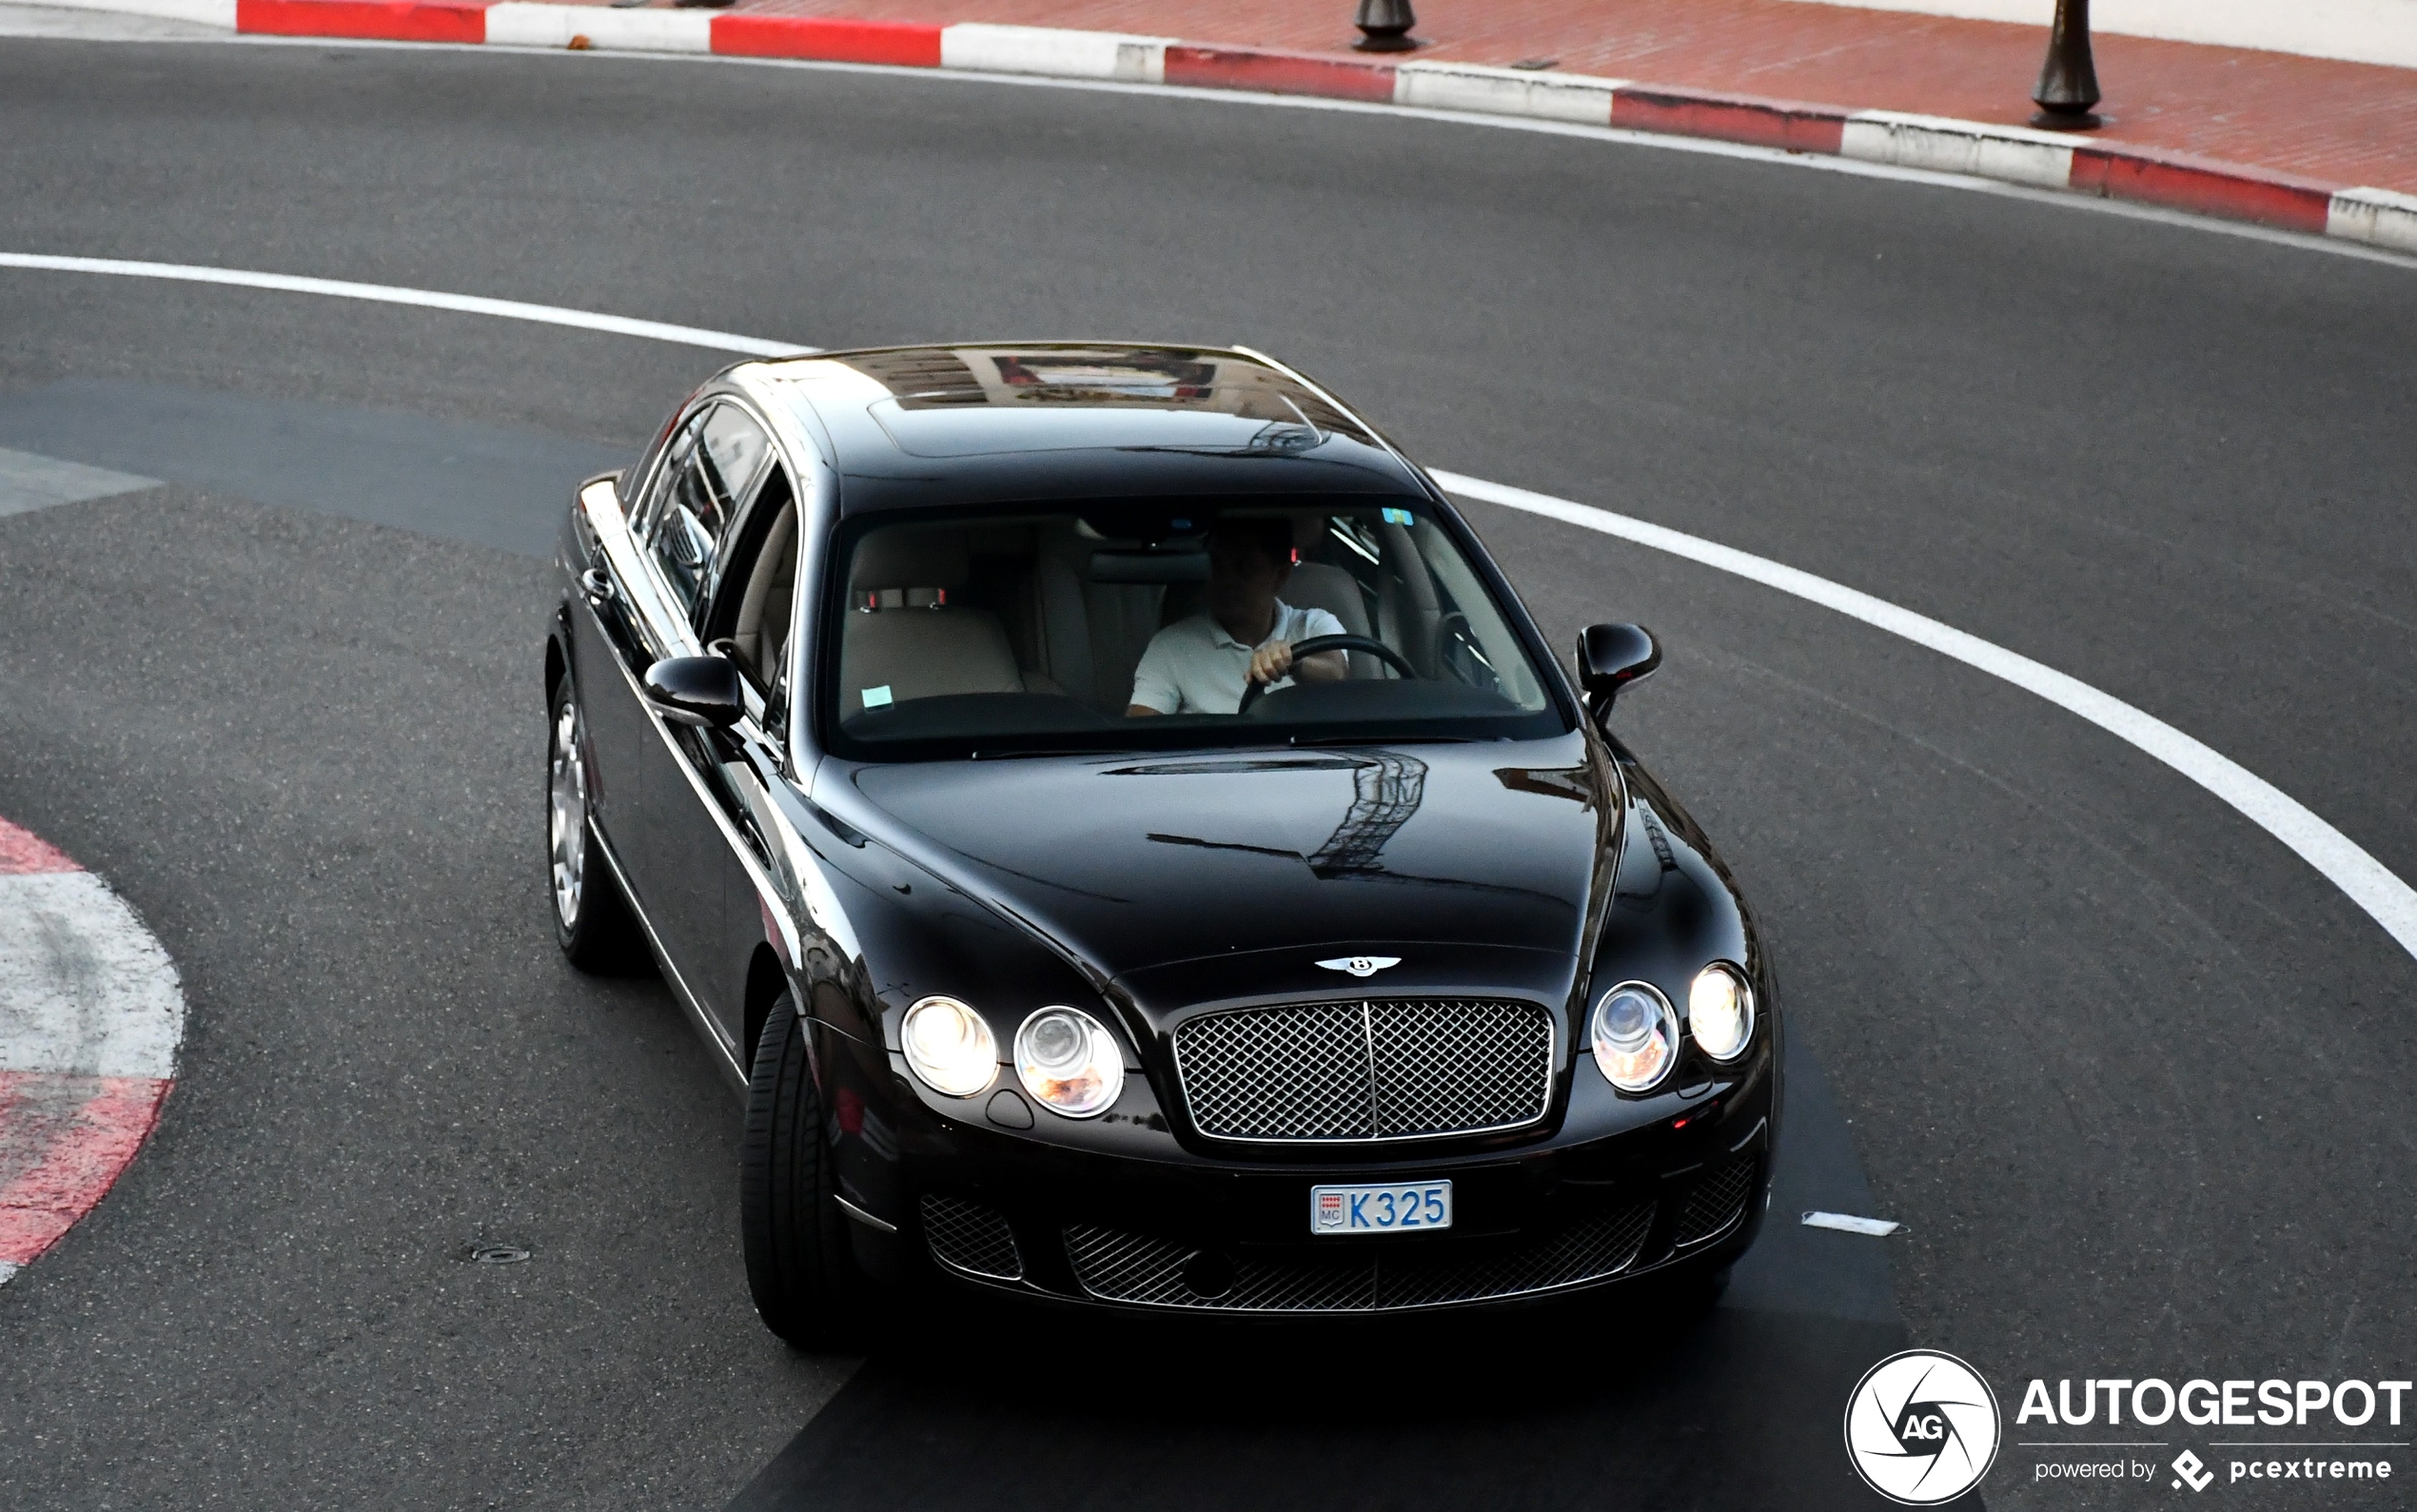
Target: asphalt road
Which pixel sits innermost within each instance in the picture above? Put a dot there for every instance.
(2132, 1074)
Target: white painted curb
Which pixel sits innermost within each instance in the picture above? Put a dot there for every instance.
(90, 1018)
(1057, 54)
(2377, 217)
(1506, 92)
(513, 23)
(85, 990)
(2012, 154)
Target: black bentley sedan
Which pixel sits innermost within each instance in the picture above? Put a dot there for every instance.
(1132, 848)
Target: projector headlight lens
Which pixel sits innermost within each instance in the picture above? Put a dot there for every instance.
(1635, 1037)
(1720, 1011)
(1068, 1062)
(950, 1047)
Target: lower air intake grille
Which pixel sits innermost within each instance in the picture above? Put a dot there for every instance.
(1134, 1268)
(969, 1237)
(1365, 1070)
(1718, 1201)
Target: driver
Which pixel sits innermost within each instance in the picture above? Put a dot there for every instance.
(1202, 664)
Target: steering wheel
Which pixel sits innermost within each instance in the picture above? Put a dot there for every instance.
(1310, 647)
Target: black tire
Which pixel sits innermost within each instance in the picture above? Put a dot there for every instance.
(592, 920)
(799, 1265)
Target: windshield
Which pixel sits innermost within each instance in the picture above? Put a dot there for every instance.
(1129, 626)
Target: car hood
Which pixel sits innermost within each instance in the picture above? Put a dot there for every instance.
(1196, 877)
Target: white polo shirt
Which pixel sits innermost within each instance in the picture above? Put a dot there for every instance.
(1193, 667)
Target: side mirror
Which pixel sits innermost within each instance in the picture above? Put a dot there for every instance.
(696, 689)
(1612, 656)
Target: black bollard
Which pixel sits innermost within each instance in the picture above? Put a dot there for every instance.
(1385, 25)
(2069, 80)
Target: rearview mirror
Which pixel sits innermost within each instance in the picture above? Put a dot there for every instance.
(1612, 656)
(696, 689)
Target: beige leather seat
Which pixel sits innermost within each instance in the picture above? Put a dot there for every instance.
(1090, 634)
(902, 639)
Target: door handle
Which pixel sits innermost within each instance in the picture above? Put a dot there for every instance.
(597, 584)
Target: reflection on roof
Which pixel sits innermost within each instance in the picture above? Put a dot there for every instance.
(1128, 377)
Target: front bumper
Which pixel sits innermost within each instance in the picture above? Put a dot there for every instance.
(1232, 1237)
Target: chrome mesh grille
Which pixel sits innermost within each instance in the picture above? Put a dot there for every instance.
(969, 1237)
(1382, 1068)
(1718, 1201)
(1278, 1073)
(1140, 1271)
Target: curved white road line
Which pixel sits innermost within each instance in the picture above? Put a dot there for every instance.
(2345, 863)
(425, 297)
(2370, 884)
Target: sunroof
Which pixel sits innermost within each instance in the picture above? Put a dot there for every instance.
(1166, 381)
(974, 430)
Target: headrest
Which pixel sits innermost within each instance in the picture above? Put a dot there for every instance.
(910, 556)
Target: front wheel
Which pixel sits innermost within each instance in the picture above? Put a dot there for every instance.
(592, 921)
(800, 1264)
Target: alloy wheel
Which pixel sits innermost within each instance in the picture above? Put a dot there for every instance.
(567, 813)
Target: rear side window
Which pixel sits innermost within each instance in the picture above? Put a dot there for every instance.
(707, 472)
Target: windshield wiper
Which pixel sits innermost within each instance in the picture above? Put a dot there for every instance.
(1007, 754)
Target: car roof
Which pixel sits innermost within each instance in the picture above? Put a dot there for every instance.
(922, 426)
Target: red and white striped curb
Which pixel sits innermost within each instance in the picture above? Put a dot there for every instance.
(90, 1017)
(2012, 154)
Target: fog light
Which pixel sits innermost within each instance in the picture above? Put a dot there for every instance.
(1068, 1062)
(1720, 1011)
(950, 1047)
(1635, 1037)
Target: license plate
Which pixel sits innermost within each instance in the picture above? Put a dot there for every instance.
(1380, 1208)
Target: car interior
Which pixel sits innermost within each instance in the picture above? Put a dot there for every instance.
(1038, 622)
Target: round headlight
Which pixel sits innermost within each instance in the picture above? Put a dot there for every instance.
(1635, 1037)
(1720, 1011)
(1068, 1061)
(950, 1047)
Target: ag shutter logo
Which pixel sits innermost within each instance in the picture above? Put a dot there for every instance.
(1921, 1428)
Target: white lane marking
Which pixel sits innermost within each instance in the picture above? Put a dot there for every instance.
(1849, 1224)
(8, 1269)
(84, 989)
(426, 299)
(28, 481)
(2369, 883)
(2366, 881)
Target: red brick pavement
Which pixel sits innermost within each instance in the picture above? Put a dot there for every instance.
(2343, 123)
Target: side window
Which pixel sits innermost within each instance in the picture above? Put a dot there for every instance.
(648, 505)
(707, 475)
(756, 601)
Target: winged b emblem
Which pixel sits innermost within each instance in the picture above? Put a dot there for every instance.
(1361, 965)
